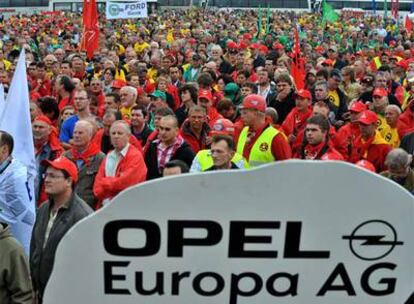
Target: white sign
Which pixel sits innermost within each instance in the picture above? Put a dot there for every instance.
(126, 10)
(291, 232)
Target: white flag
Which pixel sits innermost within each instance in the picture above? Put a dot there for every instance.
(2, 99)
(15, 119)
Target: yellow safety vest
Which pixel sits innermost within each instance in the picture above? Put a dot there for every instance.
(261, 152)
(206, 160)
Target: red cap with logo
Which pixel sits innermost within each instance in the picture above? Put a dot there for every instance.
(254, 101)
(358, 106)
(304, 94)
(206, 94)
(231, 45)
(366, 165)
(278, 46)
(222, 127)
(368, 118)
(62, 163)
(380, 92)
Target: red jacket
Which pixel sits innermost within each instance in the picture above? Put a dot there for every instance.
(406, 122)
(213, 115)
(348, 133)
(295, 122)
(97, 139)
(375, 150)
(195, 143)
(131, 170)
(317, 153)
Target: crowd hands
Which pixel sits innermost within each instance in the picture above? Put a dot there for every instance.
(185, 91)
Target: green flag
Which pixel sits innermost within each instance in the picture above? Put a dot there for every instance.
(259, 21)
(385, 9)
(328, 13)
(268, 20)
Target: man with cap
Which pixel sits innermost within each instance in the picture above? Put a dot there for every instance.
(204, 160)
(295, 122)
(54, 218)
(232, 92)
(316, 143)
(194, 70)
(370, 145)
(259, 142)
(205, 100)
(350, 131)
(378, 105)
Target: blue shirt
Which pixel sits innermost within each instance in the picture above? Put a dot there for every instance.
(68, 126)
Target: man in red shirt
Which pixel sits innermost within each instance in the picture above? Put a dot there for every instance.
(349, 132)
(205, 100)
(123, 167)
(295, 122)
(195, 129)
(316, 144)
(259, 142)
(370, 145)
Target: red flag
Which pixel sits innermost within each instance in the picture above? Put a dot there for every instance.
(90, 37)
(408, 24)
(298, 66)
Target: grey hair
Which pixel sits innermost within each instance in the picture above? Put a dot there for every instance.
(394, 107)
(131, 90)
(398, 158)
(87, 124)
(123, 124)
(273, 114)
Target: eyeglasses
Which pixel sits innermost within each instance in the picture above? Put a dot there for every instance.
(52, 176)
(376, 96)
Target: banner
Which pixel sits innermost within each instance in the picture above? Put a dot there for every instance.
(294, 232)
(126, 10)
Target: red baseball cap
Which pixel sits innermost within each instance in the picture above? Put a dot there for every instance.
(380, 92)
(118, 84)
(304, 94)
(255, 45)
(247, 36)
(368, 118)
(366, 165)
(263, 49)
(231, 45)
(358, 106)
(222, 127)
(254, 101)
(242, 45)
(62, 163)
(319, 49)
(203, 93)
(278, 46)
(328, 61)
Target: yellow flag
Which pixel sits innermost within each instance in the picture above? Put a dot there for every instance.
(170, 36)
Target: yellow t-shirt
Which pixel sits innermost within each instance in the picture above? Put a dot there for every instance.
(139, 48)
(382, 125)
(391, 136)
(333, 98)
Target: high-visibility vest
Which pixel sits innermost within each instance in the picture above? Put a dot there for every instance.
(261, 152)
(206, 160)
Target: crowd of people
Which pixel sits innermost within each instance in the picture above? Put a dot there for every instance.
(194, 91)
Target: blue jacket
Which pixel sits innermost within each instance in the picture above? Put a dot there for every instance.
(16, 208)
